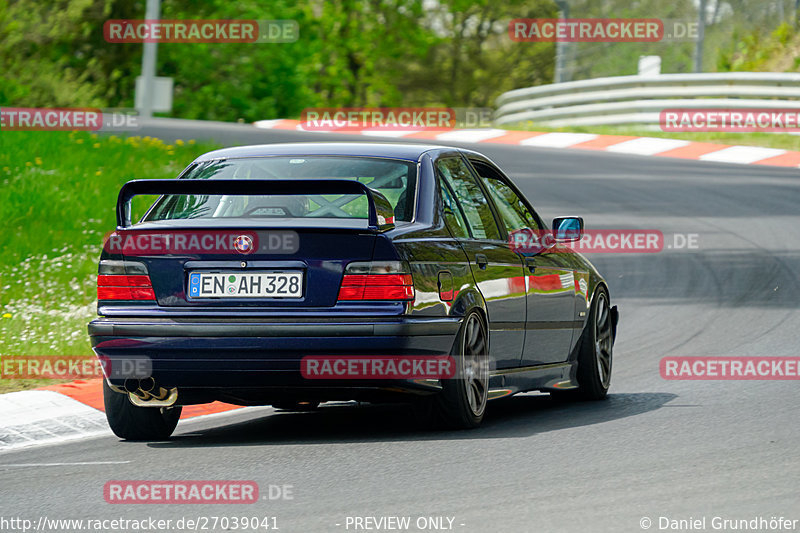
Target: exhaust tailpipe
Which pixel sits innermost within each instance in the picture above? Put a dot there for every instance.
(147, 384)
(146, 393)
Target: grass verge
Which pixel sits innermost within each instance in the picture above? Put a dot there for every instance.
(57, 201)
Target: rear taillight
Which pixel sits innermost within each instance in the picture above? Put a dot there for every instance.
(377, 280)
(124, 280)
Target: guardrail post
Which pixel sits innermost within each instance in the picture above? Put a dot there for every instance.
(561, 47)
(701, 36)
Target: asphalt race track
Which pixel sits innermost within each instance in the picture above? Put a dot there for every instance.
(656, 448)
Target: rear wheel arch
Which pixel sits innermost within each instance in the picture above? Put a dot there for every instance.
(481, 311)
(484, 316)
(468, 300)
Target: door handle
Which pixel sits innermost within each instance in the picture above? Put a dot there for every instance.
(530, 262)
(482, 261)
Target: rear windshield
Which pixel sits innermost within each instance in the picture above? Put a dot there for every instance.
(395, 180)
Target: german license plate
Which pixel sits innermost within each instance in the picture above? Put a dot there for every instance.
(246, 284)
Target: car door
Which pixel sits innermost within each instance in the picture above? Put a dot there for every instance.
(549, 281)
(497, 270)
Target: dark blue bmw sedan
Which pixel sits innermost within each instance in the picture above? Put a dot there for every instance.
(294, 274)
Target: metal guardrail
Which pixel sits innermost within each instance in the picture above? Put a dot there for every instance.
(640, 99)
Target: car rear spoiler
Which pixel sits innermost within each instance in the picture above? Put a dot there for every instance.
(381, 214)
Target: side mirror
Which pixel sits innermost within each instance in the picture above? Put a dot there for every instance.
(568, 229)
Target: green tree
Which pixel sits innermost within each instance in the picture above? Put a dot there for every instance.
(54, 54)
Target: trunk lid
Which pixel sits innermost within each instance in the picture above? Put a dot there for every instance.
(243, 261)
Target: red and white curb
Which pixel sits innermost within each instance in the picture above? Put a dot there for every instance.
(36, 417)
(620, 144)
(68, 411)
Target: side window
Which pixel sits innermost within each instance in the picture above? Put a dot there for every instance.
(452, 213)
(513, 211)
(479, 215)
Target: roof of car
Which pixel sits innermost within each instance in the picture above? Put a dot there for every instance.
(410, 152)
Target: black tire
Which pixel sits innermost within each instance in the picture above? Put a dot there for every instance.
(130, 422)
(595, 353)
(462, 402)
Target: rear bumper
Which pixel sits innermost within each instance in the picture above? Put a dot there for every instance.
(264, 354)
(171, 328)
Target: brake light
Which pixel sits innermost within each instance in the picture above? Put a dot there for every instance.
(124, 280)
(385, 280)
